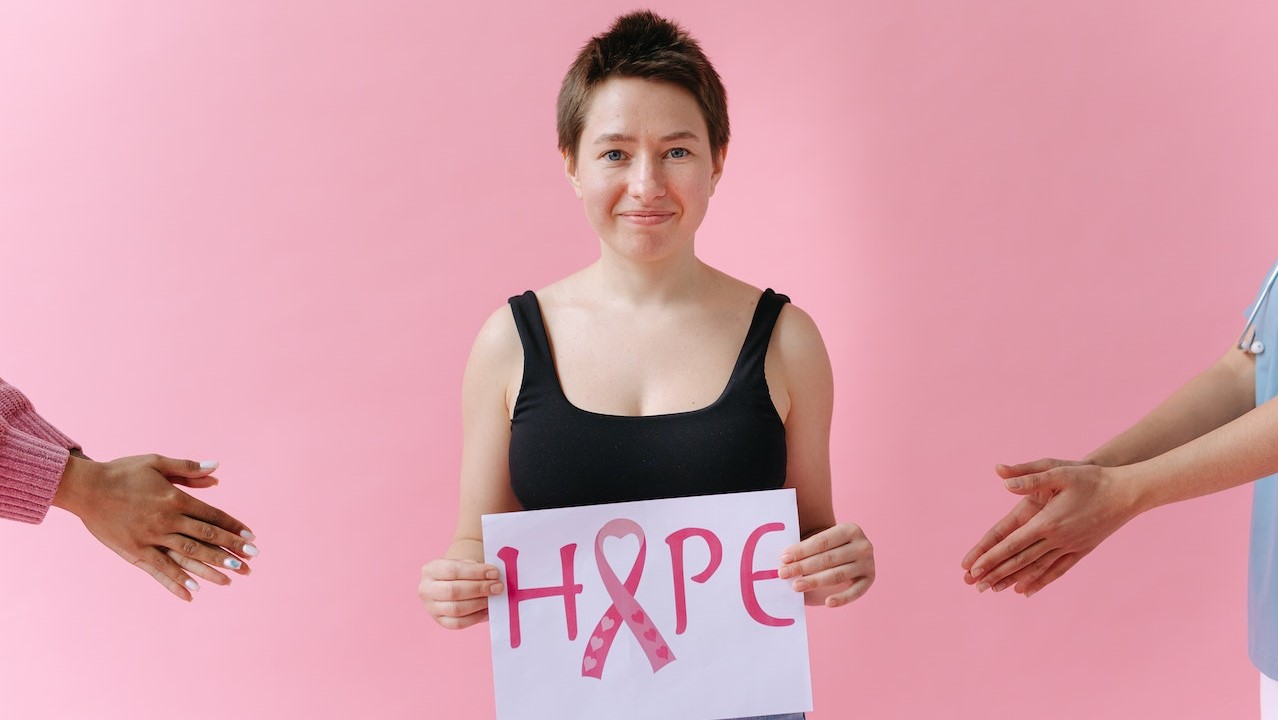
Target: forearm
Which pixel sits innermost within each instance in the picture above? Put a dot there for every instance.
(465, 548)
(1212, 399)
(1238, 452)
(75, 490)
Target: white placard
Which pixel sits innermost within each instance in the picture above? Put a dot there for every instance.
(665, 609)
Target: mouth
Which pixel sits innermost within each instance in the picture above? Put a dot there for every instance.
(647, 217)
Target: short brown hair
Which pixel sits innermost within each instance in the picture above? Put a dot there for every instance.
(641, 45)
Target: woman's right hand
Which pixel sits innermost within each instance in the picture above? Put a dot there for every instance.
(456, 592)
(132, 506)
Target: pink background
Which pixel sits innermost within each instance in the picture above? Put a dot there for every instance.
(266, 233)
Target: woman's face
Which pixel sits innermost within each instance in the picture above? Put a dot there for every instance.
(644, 168)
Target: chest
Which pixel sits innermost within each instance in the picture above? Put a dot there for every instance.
(632, 364)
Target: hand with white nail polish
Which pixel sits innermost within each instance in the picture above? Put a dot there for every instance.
(132, 506)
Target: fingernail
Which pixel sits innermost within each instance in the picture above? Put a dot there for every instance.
(982, 587)
(1030, 593)
(800, 586)
(250, 550)
(248, 535)
(784, 573)
(1001, 586)
(491, 575)
(787, 558)
(494, 589)
(1013, 483)
(191, 585)
(977, 572)
(208, 465)
(232, 563)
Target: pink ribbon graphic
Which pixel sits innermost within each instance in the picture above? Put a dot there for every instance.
(625, 608)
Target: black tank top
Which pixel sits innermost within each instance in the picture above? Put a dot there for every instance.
(561, 455)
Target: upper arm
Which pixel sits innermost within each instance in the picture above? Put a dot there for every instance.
(1239, 387)
(495, 368)
(802, 383)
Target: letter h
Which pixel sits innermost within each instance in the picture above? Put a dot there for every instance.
(515, 594)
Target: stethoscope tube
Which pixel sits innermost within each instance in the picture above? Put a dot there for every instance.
(1256, 347)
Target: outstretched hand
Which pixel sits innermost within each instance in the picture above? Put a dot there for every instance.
(1067, 510)
(132, 506)
(1021, 513)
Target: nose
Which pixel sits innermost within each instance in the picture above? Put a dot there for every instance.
(647, 181)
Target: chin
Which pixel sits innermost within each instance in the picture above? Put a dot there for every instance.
(645, 247)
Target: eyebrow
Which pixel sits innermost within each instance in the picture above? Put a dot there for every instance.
(621, 137)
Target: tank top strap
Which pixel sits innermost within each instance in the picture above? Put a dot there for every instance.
(755, 348)
(539, 364)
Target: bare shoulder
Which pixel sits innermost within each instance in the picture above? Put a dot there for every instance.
(495, 366)
(575, 290)
(729, 294)
(498, 338)
(797, 367)
(796, 336)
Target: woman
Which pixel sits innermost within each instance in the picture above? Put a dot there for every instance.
(648, 373)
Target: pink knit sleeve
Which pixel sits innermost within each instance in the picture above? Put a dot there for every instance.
(17, 410)
(33, 455)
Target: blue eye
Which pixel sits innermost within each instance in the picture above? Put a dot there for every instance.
(679, 153)
(613, 156)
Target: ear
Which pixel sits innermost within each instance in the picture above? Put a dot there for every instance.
(570, 171)
(719, 159)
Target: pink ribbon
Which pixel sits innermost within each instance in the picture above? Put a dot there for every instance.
(625, 608)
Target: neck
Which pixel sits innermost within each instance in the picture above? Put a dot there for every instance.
(678, 277)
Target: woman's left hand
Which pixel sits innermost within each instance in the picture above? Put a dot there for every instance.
(832, 568)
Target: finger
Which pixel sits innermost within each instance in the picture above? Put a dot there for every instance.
(203, 511)
(821, 542)
(459, 608)
(446, 569)
(857, 589)
(198, 483)
(1029, 468)
(850, 572)
(203, 553)
(838, 556)
(1031, 572)
(1047, 480)
(457, 623)
(170, 467)
(198, 568)
(217, 537)
(995, 578)
(1057, 569)
(995, 535)
(167, 573)
(1017, 540)
(456, 590)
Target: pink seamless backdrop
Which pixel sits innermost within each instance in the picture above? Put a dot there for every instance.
(267, 232)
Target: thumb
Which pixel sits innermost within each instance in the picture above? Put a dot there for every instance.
(1038, 466)
(1033, 482)
(176, 470)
